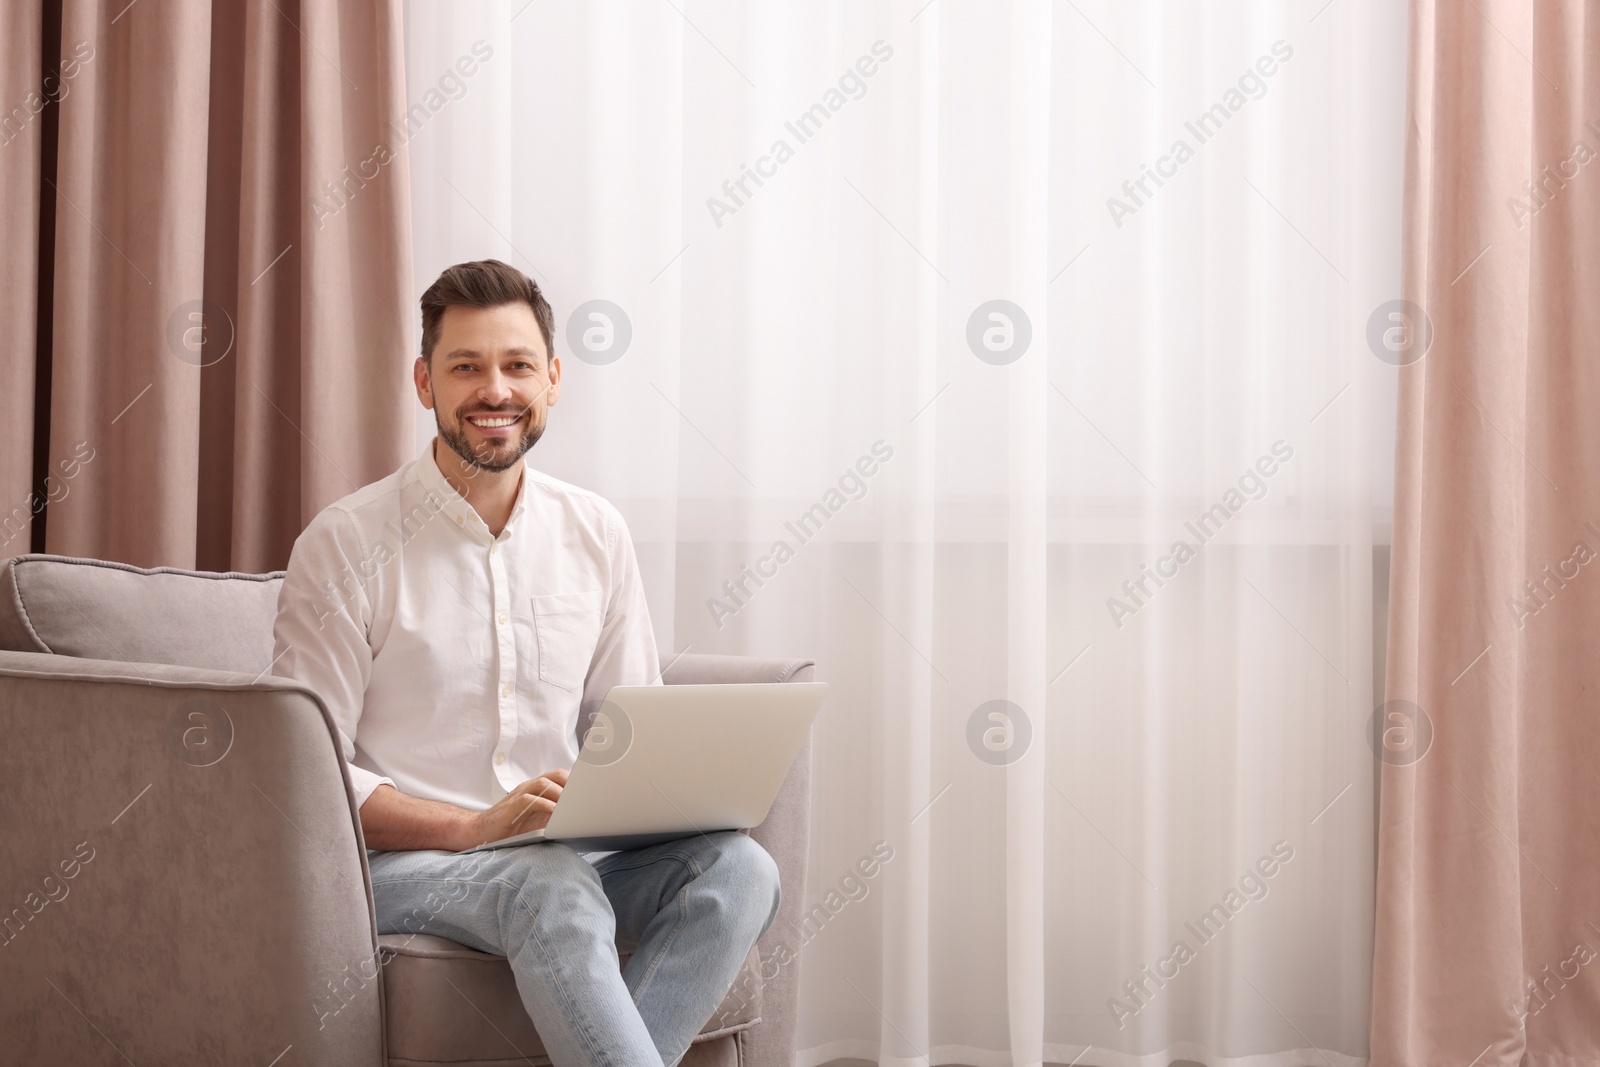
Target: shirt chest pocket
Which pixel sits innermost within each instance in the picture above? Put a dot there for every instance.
(567, 628)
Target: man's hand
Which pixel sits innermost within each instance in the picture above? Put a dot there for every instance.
(394, 821)
(527, 807)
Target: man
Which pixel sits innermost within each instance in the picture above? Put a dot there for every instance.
(458, 617)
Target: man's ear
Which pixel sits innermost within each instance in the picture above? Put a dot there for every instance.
(424, 382)
(555, 380)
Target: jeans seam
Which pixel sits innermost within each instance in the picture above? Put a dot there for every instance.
(671, 936)
(578, 1020)
(494, 880)
(679, 853)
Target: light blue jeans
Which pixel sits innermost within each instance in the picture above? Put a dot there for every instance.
(688, 910)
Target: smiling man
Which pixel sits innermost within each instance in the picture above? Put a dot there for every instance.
(458, 618)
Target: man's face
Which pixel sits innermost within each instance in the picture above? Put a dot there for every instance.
(491, 383)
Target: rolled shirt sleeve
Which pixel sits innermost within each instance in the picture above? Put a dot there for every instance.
(320, 634)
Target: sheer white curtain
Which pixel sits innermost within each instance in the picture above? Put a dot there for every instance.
(828, 441)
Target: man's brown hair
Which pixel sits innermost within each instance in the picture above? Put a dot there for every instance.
(483, 283)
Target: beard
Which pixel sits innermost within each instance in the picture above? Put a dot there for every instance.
(493, 456)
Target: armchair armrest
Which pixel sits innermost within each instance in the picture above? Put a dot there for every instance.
(786, 836)
(191, 828)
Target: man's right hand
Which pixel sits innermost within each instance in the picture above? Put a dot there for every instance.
(527, 807)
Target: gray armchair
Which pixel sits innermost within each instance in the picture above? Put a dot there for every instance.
(183, 872)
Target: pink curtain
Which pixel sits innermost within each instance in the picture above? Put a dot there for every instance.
(213, 203)
(22, 99)
(1488, 931)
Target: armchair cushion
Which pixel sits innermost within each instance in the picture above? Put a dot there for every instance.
(91, 609)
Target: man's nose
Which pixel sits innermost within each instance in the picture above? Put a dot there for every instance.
(495, 390)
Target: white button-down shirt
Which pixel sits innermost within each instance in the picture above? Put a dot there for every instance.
(456, 664)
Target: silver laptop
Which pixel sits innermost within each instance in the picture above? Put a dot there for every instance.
(660, 762)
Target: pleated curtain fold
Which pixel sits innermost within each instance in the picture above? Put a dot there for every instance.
(1488, 926)
(1068, 777)
(208, 302)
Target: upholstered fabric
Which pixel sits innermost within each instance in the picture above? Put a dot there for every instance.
(95, 610)
(730, 1051)
(214, 893)
(225, 911)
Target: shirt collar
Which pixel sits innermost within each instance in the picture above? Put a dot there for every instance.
(455, 505)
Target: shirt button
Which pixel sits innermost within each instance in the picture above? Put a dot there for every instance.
(458, 520)
(502, 618)
(505, 690)
(499, 757)
(493, 548)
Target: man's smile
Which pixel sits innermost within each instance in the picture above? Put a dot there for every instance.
(495, 423)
